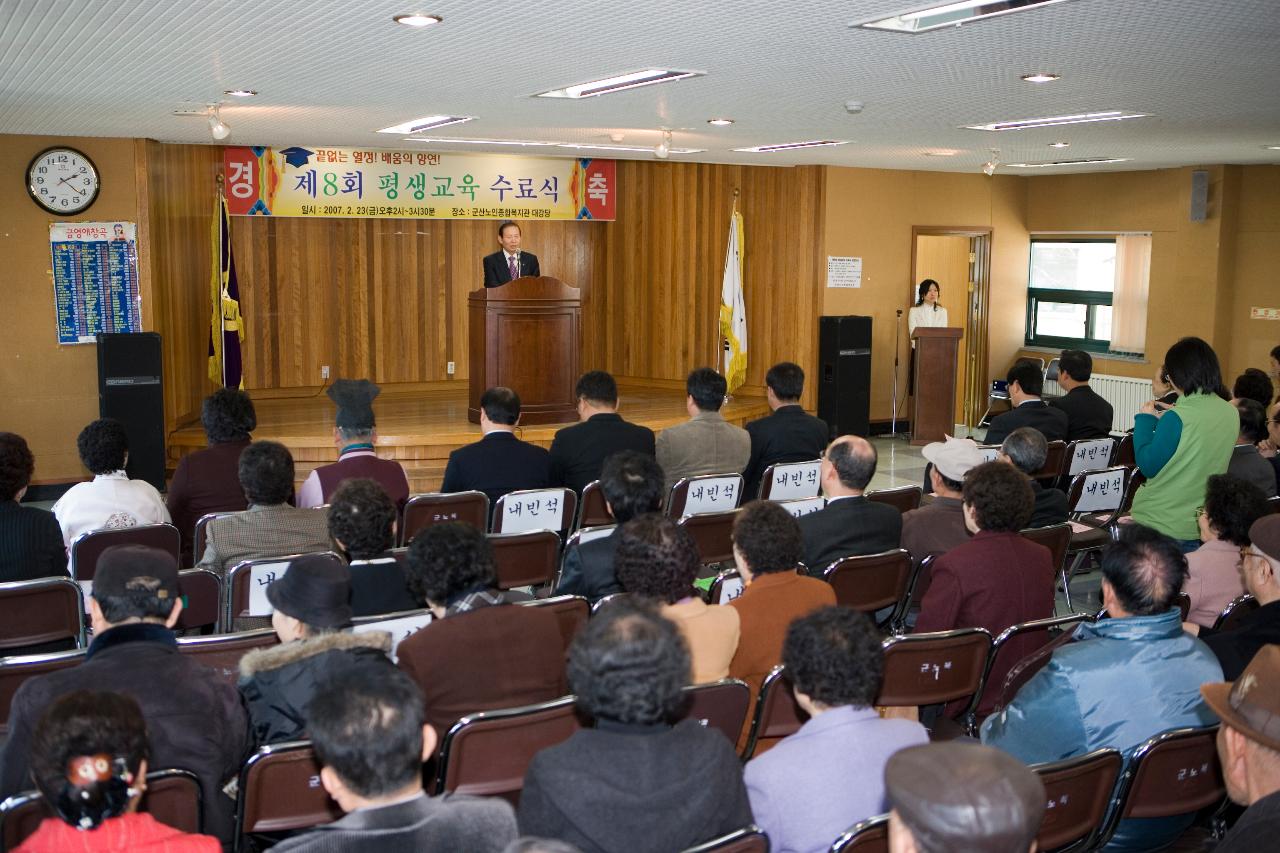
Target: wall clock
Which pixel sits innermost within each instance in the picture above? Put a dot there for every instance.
(63, 180)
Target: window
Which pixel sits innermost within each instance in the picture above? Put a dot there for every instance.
(1071, 289)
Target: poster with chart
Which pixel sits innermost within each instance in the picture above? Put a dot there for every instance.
(95, 279)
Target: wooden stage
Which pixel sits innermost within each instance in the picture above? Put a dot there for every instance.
(421, 427)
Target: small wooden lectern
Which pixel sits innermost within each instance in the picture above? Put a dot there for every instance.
(935, 383)
(526, 335)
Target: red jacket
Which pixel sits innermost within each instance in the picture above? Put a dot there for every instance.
(136, 833)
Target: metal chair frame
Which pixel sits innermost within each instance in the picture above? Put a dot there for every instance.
(447, 742)
(73, 588)
(1046, 624)
(1237, 608)
(877, 824)
(751, 832)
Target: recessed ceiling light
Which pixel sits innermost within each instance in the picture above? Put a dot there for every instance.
(951, 15)
(720, 122)
(1272, 147)
(788, 146)
(941, 153)
(620, 83)
(1091, 161)
(418, 125)
(633, 148)
(1052, 121)
(239, 93)
(445, 140)
(1041, 77)
(1059, 144)
(416, 20)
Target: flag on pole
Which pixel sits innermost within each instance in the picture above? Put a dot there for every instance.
(227, 325)
(733, 308)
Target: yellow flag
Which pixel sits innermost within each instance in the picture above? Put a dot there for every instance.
(733, 309)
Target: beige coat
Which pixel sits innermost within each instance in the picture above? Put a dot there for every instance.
(705, 444)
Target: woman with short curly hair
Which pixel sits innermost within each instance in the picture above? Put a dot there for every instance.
(1231, 505)
(30, 539)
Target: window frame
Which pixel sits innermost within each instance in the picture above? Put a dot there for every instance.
(1089, 298)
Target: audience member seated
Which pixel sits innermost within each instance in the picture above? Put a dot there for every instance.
(1246, 462)
(1026, 449)
(362, 525)
(1260, 568)
(1231, 506)
(1026, 382)
(578, 452)
(1089, 415)
(938, 526)
(479, 653)
(959, 798)
(355, 435)
(499, 462)
(270, 527)
(31, 543)
(1253, 384)
(310, 617)
(849, 525)
(205, 481)
(1179, 447)
(195, 718)
(766, 548)
(658, 559)
(89, 757)
(706, 443)
(1268, 448)
(370, 737)
(997, 578)
(111, 499)
(1120, 680)
(1249, 749)
(633, 782)
(802, 792)
(790, 434)
(632, 485)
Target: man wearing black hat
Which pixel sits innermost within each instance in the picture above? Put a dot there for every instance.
(355, 437)
(1260, 571)
(194, 718)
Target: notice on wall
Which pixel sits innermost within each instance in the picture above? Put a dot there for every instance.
(95, 279)
(844, 272)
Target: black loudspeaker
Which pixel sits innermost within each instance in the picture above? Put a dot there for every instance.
(1199, 195)
(844, 374)
(129, 390)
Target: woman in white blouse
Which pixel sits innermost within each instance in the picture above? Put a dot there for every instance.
(926, 312)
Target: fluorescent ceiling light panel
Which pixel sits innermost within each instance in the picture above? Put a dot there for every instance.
(445, 140)
(416, 20)
(789, 146)
(951, 15)
(418, 125)
(620, 83)
(1091, 161)
(637, 149)
(1053, 121)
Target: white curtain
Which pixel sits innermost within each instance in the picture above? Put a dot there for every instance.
(1129, 299)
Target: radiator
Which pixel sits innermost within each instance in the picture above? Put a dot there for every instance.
(1125, 394)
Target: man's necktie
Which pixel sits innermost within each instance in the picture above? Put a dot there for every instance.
(512, 268)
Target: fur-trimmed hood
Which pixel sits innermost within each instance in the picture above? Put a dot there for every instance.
(275, 657)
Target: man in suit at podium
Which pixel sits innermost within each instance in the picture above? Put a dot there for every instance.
(499, 462)
(509, 263)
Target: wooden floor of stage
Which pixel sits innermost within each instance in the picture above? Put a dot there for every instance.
(420, 428)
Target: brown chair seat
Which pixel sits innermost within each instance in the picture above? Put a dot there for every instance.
(592, 510)
(934, 668)
(871, 582)
(903, 498)
(777, 713)
(422, 511)
(222, 652)
(41, 611)
(711, 532)
(15, 670)
(722, 705)
(88, 547)
(1078, 792)
(201, 592)
(280, 791)
(525, 559)
(571, 612)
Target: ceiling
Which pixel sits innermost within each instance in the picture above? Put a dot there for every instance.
(329, 72)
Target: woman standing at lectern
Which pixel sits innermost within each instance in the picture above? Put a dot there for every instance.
(927, 313)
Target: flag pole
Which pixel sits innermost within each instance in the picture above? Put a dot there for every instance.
(222, 318)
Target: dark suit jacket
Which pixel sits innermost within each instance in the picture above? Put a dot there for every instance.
(380, 587)
(205, 481)
(848, 527)
(30, 544)
(1051, 506)
(497, 464)
(1088, 413)
(1033, 413)
(588, 569)
(788, 435)
(423, 825)
(496, 272)
(1234, 649)
(499, 656)
(578, 452)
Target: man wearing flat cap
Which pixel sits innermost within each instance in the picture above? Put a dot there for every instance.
(938, 526)
(1249, 748)
(1260, 571)
(952, 797)
(355, 436)
(194, 717)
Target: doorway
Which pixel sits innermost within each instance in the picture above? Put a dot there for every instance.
(959, 259)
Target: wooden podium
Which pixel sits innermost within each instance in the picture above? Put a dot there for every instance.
(526, 335)
(935, 383)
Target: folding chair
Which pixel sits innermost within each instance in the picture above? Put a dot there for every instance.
(871, 582)
(903, 498)
(1024, 670)
(1124, 452)
(721, 705)
(917, 586)
(526, 510)
(525, 559)
(1055, 537)
(1235, 612)
(571, 612)
(705, 493)
(280, 791)
(1094, 502)
(581, 536)
(592, 510)
(868, 836)
(803, 506)
(604, 602)
(201, 592)
(41, 611)
(222, 652)
(712, 533)
(88, 547)
(1014, 644)
(1055, 461)
(487, 754)
(1051, 371)
(726, 587)
(1078, 791)
(200, 535)
(788, 481)
(1184, 605)
(401, 626)
(1085, 455)
(777, 713)
(934, 669)
(15, 670)
(244, 596)
(749, 839)
(438, 507)
(1174, 773)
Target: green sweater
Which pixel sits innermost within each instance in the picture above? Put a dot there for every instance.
(1178, 452)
